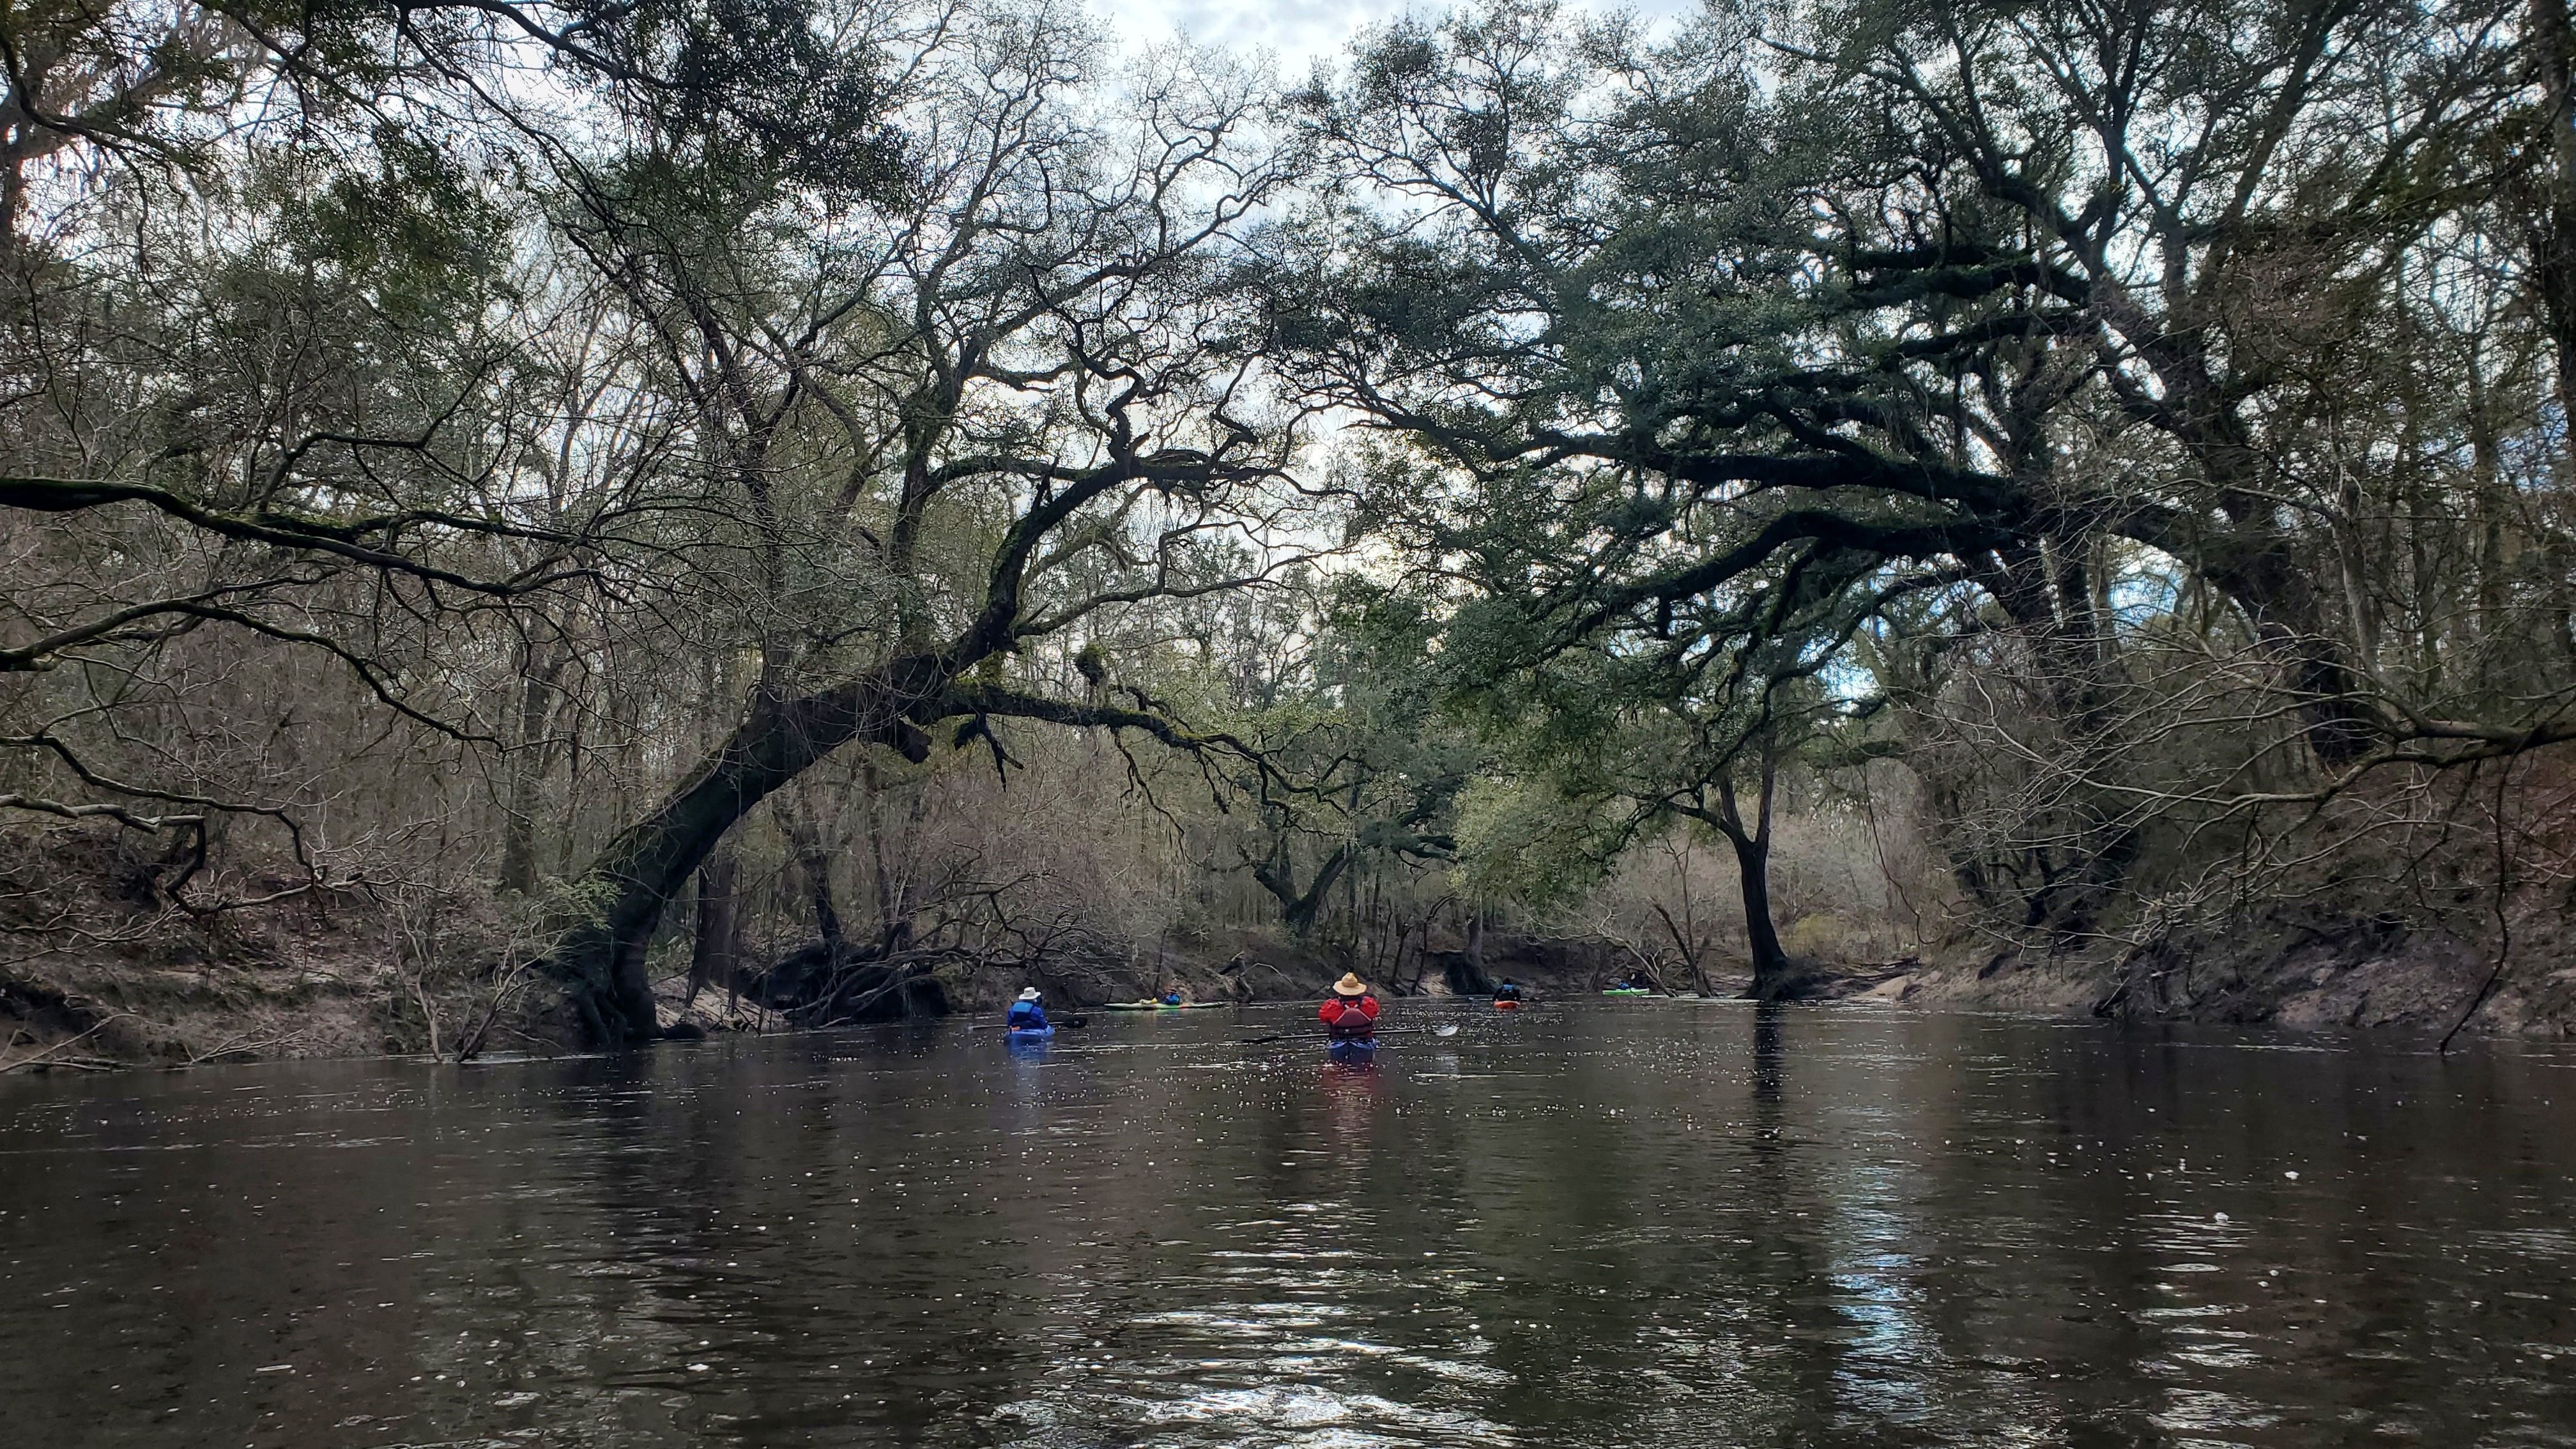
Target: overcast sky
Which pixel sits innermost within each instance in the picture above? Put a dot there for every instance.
(1298, 32)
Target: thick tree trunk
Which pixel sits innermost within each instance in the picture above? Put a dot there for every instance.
(519, 828)
(1771, 965)
(806, 840)
(527, 764)
(599, 957)
(1298, 910)
(893, 894)
(1772, 969)
(2555, 261)
(717, 951)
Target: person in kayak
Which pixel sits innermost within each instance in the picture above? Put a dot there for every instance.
(1510, 990)
(1026, 1014)
(1172, 996)
(1350, 1013)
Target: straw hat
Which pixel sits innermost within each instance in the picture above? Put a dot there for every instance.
(1350, 985)
(1030, 994)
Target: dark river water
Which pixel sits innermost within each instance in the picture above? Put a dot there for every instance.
(1647, 1223)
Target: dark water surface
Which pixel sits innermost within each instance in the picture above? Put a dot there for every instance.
(1641, 1223)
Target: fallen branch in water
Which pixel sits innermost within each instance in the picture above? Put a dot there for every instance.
(246, 1047)
(47, 1059)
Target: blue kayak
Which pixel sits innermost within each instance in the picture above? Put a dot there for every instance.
(1019, 1034)
(1352, 1053)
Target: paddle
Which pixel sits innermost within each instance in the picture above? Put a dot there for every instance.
(1449, 1030)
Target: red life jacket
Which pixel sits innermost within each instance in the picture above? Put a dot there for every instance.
(1348, 1018)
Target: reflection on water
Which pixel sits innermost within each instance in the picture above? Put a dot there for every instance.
(1648, 1223)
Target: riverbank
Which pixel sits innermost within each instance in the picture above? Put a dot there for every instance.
(337, 976)
(324, 975)
(98, 970)
(2302, 969)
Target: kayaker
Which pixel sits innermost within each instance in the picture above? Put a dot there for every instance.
(1350, 1013)
(1172, 996)
(1510, 990)
(1026, 1014)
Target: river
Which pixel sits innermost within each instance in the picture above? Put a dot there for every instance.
(1604, 1224)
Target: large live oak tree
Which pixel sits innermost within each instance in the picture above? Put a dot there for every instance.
(1042, 368)
(1991, 298)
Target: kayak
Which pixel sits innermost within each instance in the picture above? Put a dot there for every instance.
(1507, 1006)
(1163, 1005)
(1019, 1034)
(1352, 1053)
(1627, 991)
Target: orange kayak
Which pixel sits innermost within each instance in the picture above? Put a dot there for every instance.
(1507, 1006)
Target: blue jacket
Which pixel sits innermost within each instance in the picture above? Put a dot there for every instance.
(1025, 1013)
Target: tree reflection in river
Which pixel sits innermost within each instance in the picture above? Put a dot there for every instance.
(1650, 1223)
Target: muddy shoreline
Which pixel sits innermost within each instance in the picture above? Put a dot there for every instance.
(309, 994)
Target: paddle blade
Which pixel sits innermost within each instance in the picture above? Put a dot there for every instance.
(1450, 1030)
(1075, 1021)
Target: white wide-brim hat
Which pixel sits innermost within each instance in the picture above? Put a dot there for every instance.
(1031, 994)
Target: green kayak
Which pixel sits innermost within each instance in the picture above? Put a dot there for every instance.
(1626, 991)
